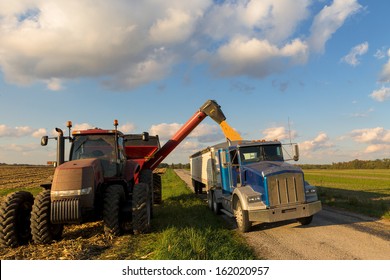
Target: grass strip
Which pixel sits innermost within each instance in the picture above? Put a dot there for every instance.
(354, 190)
(183, 228)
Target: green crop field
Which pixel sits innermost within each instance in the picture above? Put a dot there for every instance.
(365, 191)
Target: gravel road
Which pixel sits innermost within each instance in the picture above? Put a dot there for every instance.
(333, 235)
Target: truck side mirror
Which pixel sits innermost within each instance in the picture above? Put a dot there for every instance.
(44, 140)
(145, 136)
(296, 152)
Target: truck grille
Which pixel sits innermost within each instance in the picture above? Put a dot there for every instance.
(65, 211)
(285, 189)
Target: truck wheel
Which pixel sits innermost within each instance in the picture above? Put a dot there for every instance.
(112, 216)
(157, 189)
(210, 200)
(141, 209)
(242, 218)
(305, 221)
(43, 231)
(216, 205)
(15, 214)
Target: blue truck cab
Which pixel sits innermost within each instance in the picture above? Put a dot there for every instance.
(251, 181)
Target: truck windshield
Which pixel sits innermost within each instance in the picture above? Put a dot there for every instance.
(93, 146)
(261, 153)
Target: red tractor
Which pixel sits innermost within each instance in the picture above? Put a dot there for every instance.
(109, 177)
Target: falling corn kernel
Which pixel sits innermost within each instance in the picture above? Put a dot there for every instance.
(229, 132)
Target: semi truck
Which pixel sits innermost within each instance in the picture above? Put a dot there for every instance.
(251, 181)
(109, 177)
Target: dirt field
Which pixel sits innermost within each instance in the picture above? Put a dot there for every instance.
(79, 241)
(23, 177)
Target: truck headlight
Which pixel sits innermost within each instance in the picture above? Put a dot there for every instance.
(254, 198)
(310, 191)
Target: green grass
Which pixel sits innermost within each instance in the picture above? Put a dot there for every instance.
(183, 228)
(33, 190)
(363, 191)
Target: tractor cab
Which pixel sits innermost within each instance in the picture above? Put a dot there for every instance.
(105, 145)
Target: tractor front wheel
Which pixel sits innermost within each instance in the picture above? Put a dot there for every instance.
(43, 231)
(112, 214)
(15, 213)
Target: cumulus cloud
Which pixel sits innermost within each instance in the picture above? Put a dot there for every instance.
(371, 135)
(203, 132)
(385, 73)
(352, 58)
(39, 133)
(81, 126)
(127, 128)
(126, 45)
(279, 133)
(18, 131)
(377, 139)
(320, 142)
(381, 95)
(329, 20)
(54, 84)
(255, 57)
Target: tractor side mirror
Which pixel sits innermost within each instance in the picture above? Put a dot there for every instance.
(44, 140)
(145, 136)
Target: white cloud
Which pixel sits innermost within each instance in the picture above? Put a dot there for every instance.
(81, 126)
(352, 57)
(54, 84)
(375, 148)
(380, 53)
(274, 20)
(320, 142)
(279, 133)
(39, 133)
(176, 27)
(256, 58)
(377, 139)
(385, 73)
(18, 131)
(375, 135)
(381, 95)
(57, 41)
(127, 128)
(203, 132)
(329, 20)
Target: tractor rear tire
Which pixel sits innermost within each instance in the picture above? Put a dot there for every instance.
(146, 177)
(15, 214)
(43, 231)
(114, 197)
(141, 209)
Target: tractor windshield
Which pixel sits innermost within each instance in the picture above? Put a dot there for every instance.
(261, 153)
(93, 146)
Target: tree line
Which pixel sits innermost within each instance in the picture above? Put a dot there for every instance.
(354, 164)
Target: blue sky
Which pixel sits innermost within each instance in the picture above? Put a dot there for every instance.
(322, 66)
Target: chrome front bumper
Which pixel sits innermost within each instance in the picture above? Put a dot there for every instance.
(285, 213)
